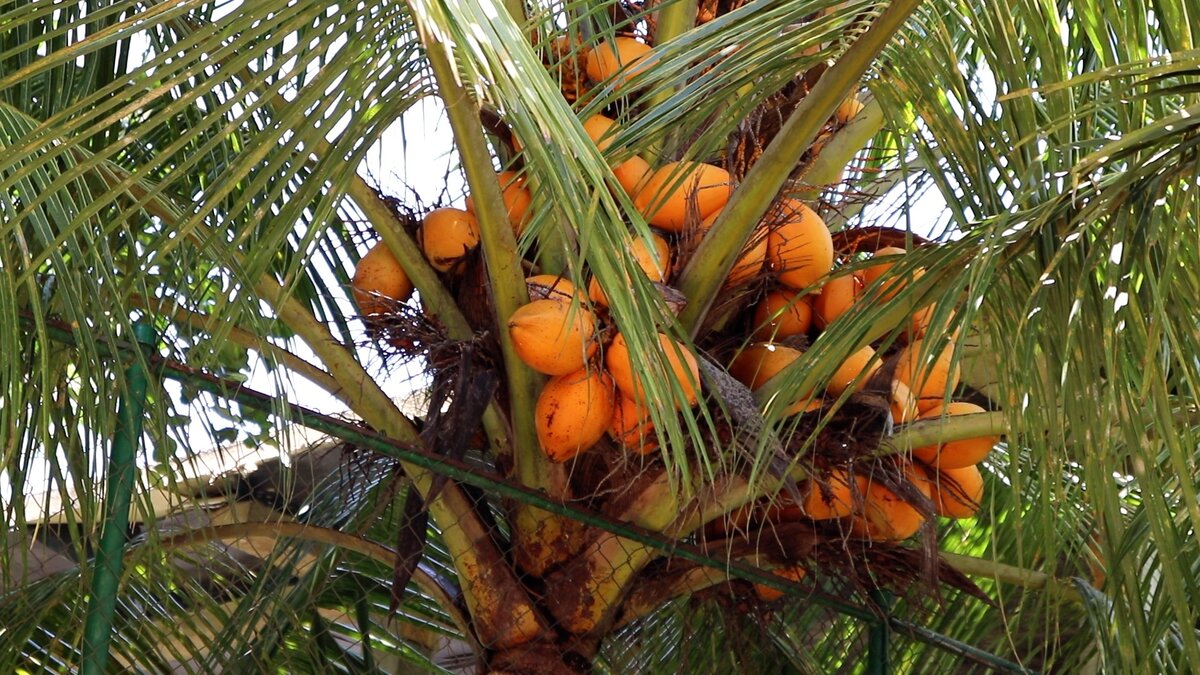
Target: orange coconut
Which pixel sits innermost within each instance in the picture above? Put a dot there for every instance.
(848, 110)
(955, 454)
(763, 360)
(601, 130)
(632, 174)
(447, 236)
(684, 368)
(836, 296)
(631, 426)
(573, 411)
(379, 282)
(799, 248)
(854, 371)
(904, 404)
(654, 270)
(781, 314)
(887, 517)
(549, 287)
(929, 375)
(750, 263)
(670, 193)
(838, 502)
(887, 257)
(598, 128)
(871, 275)
(918, 323)
(618, 55)
(553, 337)
(768, 594)
(735, 522)
(958, 492)
(919, 476)
(517, 199)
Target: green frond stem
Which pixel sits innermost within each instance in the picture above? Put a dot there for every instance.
(1010, 574)
(363, 546)
(369, 400)
(490, 587)
(516, 9)
(503, 261)
(243, 338)
(674, 19)
(706, 271)
(840, 150)
(552, 246)
(944, 430)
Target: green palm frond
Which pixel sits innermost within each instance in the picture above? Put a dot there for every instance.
(183, 161)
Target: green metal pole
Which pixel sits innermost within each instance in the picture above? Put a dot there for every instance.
(878, 662)
(106, 570)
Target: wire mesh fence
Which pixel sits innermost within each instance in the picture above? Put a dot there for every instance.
(357, 546)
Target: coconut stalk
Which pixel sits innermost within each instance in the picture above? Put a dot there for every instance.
(502, 612)
(506, 278)
(651, 594)
(840, 150)
(541, 538)
(705, 272)
(674, 19)
(944, 430)
(585, 595)
(1011, 574)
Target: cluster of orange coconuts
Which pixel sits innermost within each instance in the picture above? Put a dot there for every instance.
(593, 388)
(946, 474)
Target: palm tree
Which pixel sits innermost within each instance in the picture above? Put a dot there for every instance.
(194, 166)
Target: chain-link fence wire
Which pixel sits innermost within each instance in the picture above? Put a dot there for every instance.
(734, 626)
(269, 601)
(589, 570)
(256, 572)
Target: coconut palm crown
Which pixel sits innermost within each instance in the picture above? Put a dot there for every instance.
(1003, 193)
